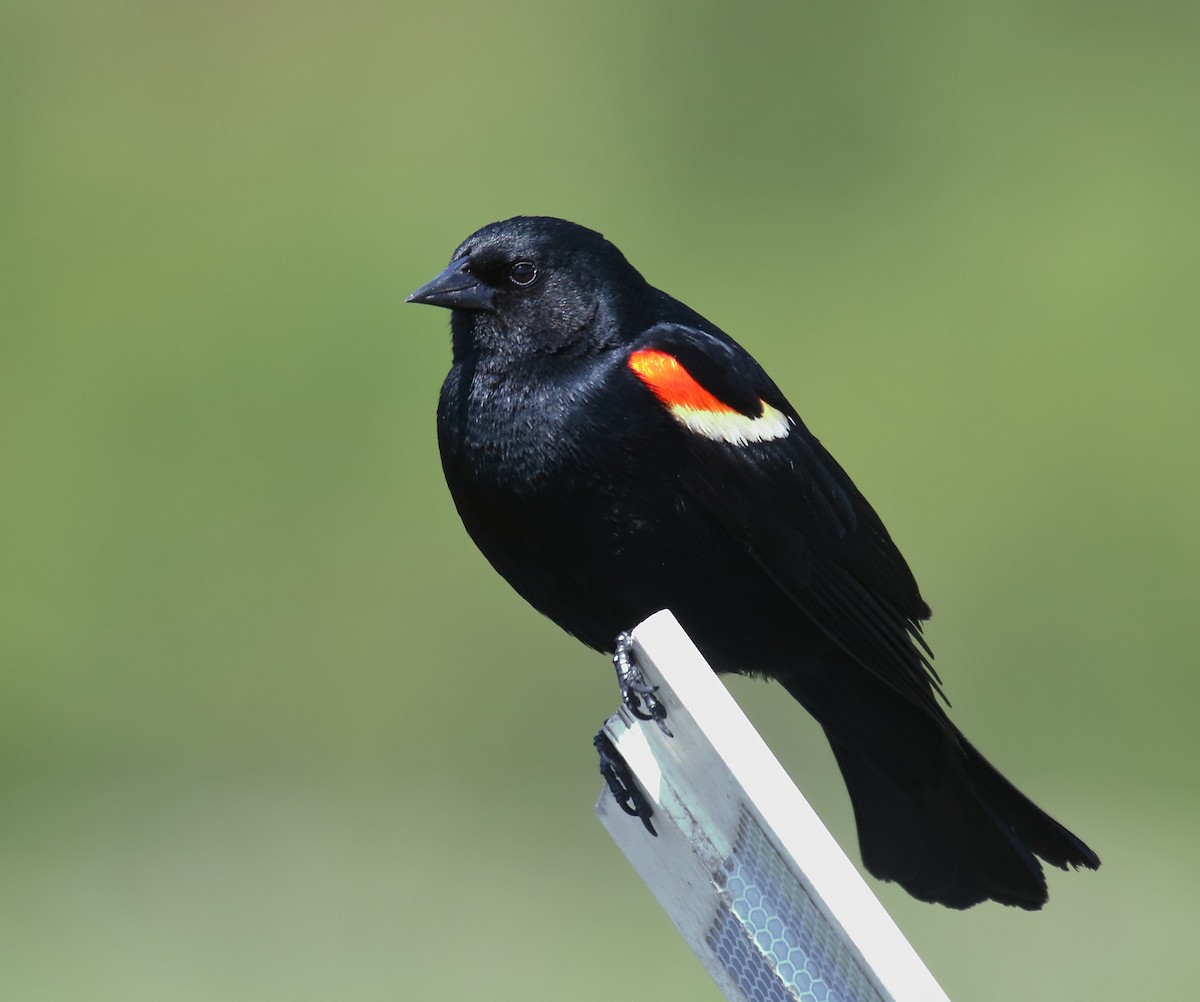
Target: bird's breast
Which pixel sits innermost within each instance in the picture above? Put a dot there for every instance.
(503, 435)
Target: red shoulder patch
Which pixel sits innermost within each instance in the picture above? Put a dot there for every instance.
(672, 383)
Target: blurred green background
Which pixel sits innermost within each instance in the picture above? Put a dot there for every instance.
(272, 729)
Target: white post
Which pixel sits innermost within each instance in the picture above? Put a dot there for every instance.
(743, 866)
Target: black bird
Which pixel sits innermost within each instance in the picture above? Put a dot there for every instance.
(614, 453)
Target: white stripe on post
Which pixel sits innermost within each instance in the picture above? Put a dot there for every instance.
(742, 864)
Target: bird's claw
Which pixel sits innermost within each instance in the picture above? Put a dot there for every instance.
(636, 693)
(621, 783)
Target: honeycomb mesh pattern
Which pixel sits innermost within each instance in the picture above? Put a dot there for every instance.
(770, 935)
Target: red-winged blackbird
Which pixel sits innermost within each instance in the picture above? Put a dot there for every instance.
(613, 453)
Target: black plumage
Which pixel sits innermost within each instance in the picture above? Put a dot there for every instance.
(613, 453)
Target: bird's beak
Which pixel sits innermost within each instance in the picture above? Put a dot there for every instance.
(456, 289)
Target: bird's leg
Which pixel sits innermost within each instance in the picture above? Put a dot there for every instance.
(621, 784)
(637, 695)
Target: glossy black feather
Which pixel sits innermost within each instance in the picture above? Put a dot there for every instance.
(600, 507)
(801, 517)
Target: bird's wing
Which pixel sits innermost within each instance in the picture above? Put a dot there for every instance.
(755, 467)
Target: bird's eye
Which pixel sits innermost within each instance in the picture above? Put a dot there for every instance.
(522, 273)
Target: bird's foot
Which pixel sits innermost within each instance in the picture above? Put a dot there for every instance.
(621, 783)
(636, 693)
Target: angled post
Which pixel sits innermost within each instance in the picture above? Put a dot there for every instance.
(743, 866)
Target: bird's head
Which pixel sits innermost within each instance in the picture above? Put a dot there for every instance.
(535, 285)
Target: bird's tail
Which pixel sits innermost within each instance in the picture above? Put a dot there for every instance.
(958, 833)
